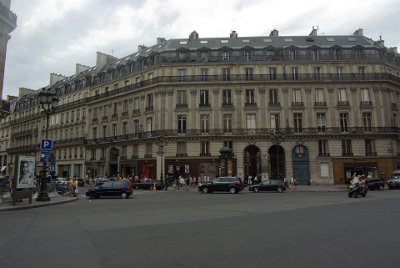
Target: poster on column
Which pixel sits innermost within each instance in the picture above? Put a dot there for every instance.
(26, 170)
(229, 167)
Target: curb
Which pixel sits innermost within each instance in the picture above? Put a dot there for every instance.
(39, 204)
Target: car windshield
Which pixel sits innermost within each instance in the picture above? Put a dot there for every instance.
(395, 176)
(265, 182)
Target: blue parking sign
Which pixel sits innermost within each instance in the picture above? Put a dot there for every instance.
(46, 145)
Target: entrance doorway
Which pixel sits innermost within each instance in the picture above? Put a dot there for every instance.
(252, 162)
(277, 162)
(301, 169)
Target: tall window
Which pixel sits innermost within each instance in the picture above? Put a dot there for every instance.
(298, 122)
(292, 54)
(344, 122)
(125, 106)
(226, 97)
(114, 130)
(205, 148)
(149, 124)
(297, 100)
(204, 98)
(367, 121)
(227, 123)
(361, 70)
(149, 101)
(394, 120)
(323, 148)
(319, 97)
(272, 73)
(273, 97)
(181, 124)
(321, 122)
(317, 73)
(314, 54)
(115, 108)
(339, 72)
(346, 148)
(251, 123)
(342, 95)
(136, 104)
(249, 73)
(94, 130)
(274, 121)
(247, 54)
(336, 54)
(250, 98)
(104, 131)
(124, 128)
(295, 73)
(226, 74)
(204, 123)
(225, 55)
(182, 74)
(181, 98)
(204, 74)
(365, 96)
(136, 126)
(370, 147)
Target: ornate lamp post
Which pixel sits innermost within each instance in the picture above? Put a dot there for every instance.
(161, 142)
(225, 154)
(48, 102)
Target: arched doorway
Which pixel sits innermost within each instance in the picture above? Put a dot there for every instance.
(301, 168)
(277, 162)
(252, 161)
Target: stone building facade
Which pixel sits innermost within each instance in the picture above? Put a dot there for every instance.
(315, 107)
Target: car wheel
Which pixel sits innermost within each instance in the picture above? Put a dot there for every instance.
(124, 195)
(205, 190)
(232, 190)
(279, 190)
(256, 190)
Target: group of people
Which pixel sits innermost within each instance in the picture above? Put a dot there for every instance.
(72, 187)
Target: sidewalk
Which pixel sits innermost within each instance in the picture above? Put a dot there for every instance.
(55, 198)
(299, 188)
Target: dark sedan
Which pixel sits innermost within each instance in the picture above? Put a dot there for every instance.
(268, 185)
(373, 184)
(121, 189)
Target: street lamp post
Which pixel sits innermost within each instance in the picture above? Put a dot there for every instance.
(161, 142)
(48, 102)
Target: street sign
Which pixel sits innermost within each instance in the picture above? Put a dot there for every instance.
(45, 156)
(52, 168)
(46, 145)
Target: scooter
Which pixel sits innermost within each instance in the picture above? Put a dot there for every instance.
(355, 190)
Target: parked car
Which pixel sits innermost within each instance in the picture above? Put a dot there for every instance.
(122, 189)
(232, 185)
(375, 183)
(149, 185)
(268, 185)
(394, 181)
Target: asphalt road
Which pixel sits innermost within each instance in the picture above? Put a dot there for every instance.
(189, 229)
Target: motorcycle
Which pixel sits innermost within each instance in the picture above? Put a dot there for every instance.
(355, 190)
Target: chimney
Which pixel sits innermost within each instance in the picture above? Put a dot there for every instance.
(314, 32)
(380, 42)
(81, 68)
(193, 36)
(141, 48)
(23, 91)
(103, 59)
(233, 34)
(160, 40)
(54, 78)
(274, 32)
(359, 32)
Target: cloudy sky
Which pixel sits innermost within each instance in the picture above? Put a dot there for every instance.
(53, 35)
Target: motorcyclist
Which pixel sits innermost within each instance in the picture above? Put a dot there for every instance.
(355, 179)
